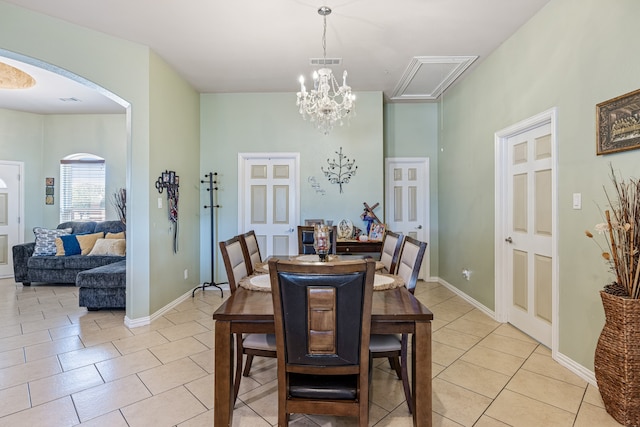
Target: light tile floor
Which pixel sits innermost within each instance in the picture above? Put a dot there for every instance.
(62, 366)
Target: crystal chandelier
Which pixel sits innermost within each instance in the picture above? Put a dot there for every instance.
(327, 103)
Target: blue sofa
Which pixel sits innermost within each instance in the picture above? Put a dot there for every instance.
(62, 269)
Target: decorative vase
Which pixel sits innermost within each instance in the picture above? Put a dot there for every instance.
(321, 241)
(617, 358)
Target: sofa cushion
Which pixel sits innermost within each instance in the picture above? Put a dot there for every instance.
(50, 262)
(109, 247)
(107, 276)
(120, 235)
(67, 245)
(79, 227)
(82, 262)
(110, 227)
(87, 241)
(46, 240)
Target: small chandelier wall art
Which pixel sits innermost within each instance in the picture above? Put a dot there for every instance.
(327, 103)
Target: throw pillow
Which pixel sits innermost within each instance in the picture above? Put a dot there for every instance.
(46, 240)
(67, 245)
(109, 247)
(119, 235)
(87, 241)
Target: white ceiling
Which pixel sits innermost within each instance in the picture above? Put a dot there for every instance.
(409, 49)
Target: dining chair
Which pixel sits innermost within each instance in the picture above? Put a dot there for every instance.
(235, 263)
(390, 251)
(252, 250)
(305, 239)
(395, 347)
(323, 323)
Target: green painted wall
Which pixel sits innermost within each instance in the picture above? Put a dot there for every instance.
(65, 134)
(270, 122)
(175, 135)
(21, 141)
(572, 55)
(41, 141)
(411, 130)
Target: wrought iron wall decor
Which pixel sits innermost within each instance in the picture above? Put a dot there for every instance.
(171, 181)
(340, 171)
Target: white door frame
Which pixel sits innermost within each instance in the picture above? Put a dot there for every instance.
(501, 232)
(242, 158)
(20, 166)
(19, 221)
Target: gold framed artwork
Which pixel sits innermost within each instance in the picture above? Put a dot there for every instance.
(618, 124)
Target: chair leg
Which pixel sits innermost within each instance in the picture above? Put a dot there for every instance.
(405, 372)
(394, 362)
(247, 365)
(238, 377)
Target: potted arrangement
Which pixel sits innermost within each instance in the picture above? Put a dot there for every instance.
(617, 355)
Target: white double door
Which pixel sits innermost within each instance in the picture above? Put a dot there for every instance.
(269, 200)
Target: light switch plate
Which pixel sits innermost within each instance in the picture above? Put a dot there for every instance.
(159, 202)
(577, 200)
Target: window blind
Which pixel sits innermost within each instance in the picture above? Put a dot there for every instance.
(82, 190)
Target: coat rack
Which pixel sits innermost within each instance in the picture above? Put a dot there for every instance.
(212, 176)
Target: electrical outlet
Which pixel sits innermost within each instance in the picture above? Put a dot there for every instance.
(159, 202)
(466, 273)
(186, 274)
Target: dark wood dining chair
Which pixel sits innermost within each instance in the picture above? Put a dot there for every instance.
(305, 239)
(395, 347)
(252, 250)
(234, 255)
(322, 322)
(390, 252)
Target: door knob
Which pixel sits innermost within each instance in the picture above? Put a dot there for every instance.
(419, 227)
(291, 230)
(508, 240)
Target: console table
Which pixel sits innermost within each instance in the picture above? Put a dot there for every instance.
(357, 247)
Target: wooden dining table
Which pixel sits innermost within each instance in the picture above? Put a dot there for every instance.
(394, 311)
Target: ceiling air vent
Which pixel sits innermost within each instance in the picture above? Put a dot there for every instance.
(325, 61)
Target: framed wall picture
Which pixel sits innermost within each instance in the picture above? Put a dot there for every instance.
(49, 181)
(48, 191)
(376, 232)
(48, 200)
(313, 221)
(618, 124)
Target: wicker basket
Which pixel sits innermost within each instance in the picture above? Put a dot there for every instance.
(617, 359)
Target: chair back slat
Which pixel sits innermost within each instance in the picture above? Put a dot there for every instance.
(411, 256)
(391, 251)
(250, 243)
(234, 261)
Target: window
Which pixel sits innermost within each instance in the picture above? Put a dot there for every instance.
(82, 189)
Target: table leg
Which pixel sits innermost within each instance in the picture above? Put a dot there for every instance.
(421, 361)
(223, 377)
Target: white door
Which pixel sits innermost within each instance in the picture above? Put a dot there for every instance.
(269, 200)
(407, 200)
(528, 234)
(10, 212)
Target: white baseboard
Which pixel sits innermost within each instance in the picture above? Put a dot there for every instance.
(486, 310)
(562, 359)
(143, 321)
